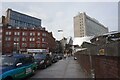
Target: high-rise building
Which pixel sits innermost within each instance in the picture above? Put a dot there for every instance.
(87, 26)
(15, 19)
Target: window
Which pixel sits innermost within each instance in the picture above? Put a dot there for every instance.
(38, 39)
(17, 27)
(28, 60)
(9, 27)
(16, 39)
(38, 34)
(7, 39)
(43, 39)
(38, 45)
(24, 33)
(43, 34)
(32, 39)
(33, 27)
(16, 45)
(25, 27)
(43, 45)
(7, 45)
(24, 44)
(32, 34)
(17, 33)
(8, 33)
(32, 45)
(24, 39)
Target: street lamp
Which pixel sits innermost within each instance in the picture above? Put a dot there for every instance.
(62, 40)
(60, 30)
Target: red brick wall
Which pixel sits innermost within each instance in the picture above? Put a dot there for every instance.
(49, 39)
(84, 61)
(104, 66)
(51, 42)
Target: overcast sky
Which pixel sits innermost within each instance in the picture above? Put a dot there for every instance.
(59, 15)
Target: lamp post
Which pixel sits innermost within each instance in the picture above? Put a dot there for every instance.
(60, 30)
(62, 40)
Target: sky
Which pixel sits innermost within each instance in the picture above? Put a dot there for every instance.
(59, 15)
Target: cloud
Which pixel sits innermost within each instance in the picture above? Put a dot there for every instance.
(37, 12)
(59, 0)
(59, 14)
(37, 15)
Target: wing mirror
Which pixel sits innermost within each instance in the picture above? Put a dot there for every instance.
(18, 64)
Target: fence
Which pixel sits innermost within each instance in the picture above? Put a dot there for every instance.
(101, 61)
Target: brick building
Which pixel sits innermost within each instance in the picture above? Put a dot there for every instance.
(0, 38)
(18, 38)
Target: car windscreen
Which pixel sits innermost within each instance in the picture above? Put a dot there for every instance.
(39, 56)
(8, 61)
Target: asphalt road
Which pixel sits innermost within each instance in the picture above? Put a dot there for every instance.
(65, 68)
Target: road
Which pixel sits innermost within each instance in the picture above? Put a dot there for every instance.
(65, 68)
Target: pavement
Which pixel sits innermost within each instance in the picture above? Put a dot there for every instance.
(65, 68)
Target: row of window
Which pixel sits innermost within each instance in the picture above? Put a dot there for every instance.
(23, 39)
(81, 34)
(24, 18)
(16, 45)
(32, 28)
(81, 24)
(20, 23)
(25, 33)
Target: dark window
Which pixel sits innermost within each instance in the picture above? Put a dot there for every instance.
(7, 45)
(32, 45)
(38, 45)
(8, 61)
(43, 45)
(27, 60)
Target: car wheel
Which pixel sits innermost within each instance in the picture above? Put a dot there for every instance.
(45, 66)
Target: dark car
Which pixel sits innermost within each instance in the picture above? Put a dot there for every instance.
(54, 58)
(60, 56)
(17, 66)
(43, 60)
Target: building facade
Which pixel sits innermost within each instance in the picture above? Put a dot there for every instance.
(87, 26)
(21, 38)
(63, 44)
(14, 19)
(1, 38)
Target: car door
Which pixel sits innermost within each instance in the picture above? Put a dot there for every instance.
(20, 68)
(28, 65)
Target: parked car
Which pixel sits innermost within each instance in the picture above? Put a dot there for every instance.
(75, 58)
(17, 66)
(54, 58)
(60, 56)
(43, 60)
